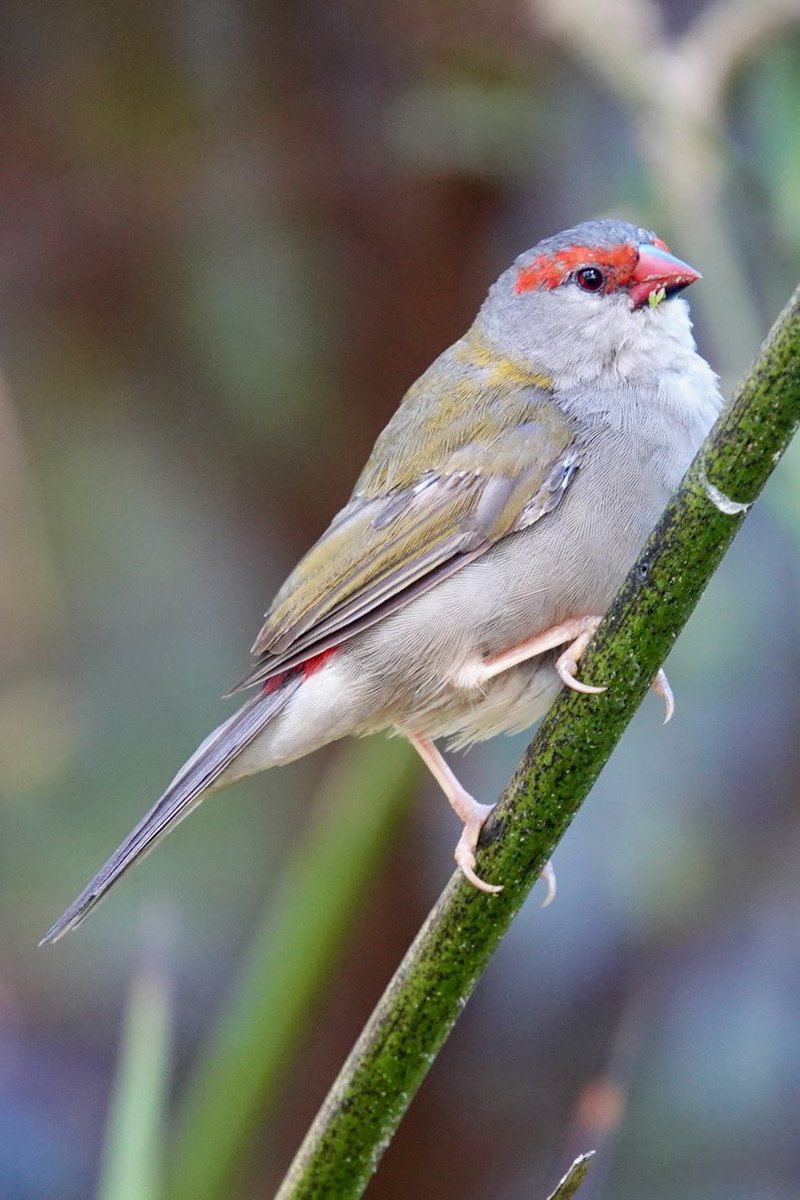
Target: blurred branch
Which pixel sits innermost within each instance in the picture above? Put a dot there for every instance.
(573, 1179)
(30, 605)
(624, 43)
(430, 988)
(133, 1150)
(675, 92)
(727, 35)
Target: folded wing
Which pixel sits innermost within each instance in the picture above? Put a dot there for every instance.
(404, 531)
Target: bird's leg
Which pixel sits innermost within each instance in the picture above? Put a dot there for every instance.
(468, 810)
(578, 632)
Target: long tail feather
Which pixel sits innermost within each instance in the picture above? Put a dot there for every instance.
(183, 794)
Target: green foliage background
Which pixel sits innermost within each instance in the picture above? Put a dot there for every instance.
(230, 236)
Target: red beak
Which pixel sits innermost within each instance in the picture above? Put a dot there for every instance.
(657, 270)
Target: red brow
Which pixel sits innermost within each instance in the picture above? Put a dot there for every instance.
(549, 270)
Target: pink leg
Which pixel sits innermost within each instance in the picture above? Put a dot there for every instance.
(578, 632)
(470, 812)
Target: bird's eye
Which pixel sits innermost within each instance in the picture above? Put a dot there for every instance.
(590, 279)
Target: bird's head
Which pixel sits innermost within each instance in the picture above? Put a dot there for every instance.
(595, 300)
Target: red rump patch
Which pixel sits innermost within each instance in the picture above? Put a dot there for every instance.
(273, 683)
(549, 270)
(313, 664)
(307, 668)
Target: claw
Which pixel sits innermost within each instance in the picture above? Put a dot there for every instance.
(465, 852)
(661, 687)
(566, 667)
(548, 878)
(474, 817)
(567, 663)
(574, 634)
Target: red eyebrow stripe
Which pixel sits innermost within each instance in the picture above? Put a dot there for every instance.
(548, 270)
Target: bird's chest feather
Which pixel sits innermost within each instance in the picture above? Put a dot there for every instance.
(573, 561)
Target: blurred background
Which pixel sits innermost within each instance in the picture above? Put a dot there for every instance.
(231, 235)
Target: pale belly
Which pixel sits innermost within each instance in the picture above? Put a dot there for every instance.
(511, 702)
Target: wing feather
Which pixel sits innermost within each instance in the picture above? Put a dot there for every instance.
(509, 464)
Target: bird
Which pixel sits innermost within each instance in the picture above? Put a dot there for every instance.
(496, 517)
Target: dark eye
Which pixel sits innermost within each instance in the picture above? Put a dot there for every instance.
(590, 279)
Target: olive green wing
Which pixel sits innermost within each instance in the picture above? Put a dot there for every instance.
(387, 546)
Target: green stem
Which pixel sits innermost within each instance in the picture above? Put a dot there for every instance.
(568, 1188)
(132, 1162)
(419, 1007)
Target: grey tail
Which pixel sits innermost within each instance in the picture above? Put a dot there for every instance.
(183, 794)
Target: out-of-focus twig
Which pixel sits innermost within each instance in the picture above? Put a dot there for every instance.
(30, 605)
(573, 1179)
(133, 1152)
(724, 37)
(675, 91)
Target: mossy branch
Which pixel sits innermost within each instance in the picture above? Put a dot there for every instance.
(434, 981)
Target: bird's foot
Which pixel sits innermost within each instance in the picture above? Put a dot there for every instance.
(584, 630)
(467, 844)
(567, 665)
(464, 806)
(576, 632)
(474, 816)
